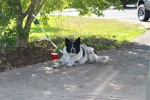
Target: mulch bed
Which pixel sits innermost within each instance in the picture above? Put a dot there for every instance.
(24, 56)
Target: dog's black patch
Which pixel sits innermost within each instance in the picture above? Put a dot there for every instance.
(72, 47)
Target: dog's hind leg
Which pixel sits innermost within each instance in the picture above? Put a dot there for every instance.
(91, 55)
(93, 58)
(71, 63)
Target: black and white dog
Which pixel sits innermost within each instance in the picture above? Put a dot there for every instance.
(74, 53)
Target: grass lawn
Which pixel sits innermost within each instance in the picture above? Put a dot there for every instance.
(93, 31)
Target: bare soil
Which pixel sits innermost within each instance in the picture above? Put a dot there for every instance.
(24, 56)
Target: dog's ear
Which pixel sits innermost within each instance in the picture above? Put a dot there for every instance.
(67, 41)
(78, 41)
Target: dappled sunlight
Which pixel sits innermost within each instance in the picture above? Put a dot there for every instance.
(141, 65)
(133, 53)
(47, 93)
(116, 85)
(34, 75)
(47, 69)
(141, 76)
(69, 87)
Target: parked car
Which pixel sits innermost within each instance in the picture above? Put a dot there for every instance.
(143, 10)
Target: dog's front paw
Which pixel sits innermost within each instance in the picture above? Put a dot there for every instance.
(56, 65)
(70, 64)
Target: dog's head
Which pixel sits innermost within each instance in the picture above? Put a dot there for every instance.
(72, 47)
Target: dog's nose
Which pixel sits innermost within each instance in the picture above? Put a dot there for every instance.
(73, 51)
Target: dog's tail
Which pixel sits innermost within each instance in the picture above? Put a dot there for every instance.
(103, 59)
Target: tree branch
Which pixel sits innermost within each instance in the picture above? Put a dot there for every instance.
(37, 7)
(19, 7)
(29, 13)
(32, 3)
(42, 3)
(39, 4)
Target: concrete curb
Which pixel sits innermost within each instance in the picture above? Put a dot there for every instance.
(146, 25)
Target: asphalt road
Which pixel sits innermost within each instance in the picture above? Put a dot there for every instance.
(126, 14)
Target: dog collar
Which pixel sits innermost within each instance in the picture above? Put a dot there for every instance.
(83, 51)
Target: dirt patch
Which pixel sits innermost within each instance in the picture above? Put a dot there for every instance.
(24, 56)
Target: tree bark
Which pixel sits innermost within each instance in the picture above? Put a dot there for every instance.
(23, 36)
(22, 41)
(23, 33)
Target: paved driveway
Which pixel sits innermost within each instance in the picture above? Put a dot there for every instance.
(122, 78)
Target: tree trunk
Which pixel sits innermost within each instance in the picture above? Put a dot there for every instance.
(23, 36)
(22, 41)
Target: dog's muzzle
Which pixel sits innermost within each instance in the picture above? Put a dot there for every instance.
(73, 50)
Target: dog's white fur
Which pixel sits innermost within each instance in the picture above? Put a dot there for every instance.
(71, 59)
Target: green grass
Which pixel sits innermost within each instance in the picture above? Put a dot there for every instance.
(89, 29)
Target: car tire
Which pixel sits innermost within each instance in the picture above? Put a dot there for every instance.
(142, 14)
